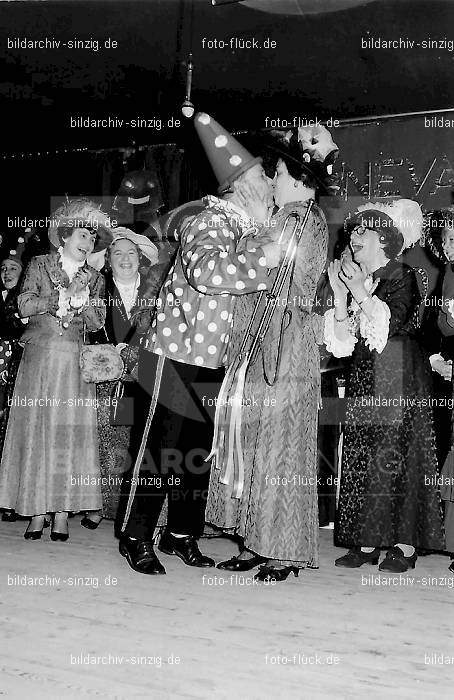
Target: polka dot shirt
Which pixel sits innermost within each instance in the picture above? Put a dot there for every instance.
(194, 315)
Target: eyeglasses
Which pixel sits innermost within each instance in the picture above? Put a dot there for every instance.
(361, 230)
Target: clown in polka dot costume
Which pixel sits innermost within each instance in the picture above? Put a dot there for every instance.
(186, 346)
(195, 308)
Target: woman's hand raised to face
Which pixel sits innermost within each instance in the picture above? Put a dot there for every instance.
(337, 285)
(253, 203)
(353, 276)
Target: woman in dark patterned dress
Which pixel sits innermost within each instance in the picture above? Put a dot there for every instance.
(131, 288)
(276, 516)
(389, 466)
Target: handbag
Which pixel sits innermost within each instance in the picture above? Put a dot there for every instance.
(100, 363)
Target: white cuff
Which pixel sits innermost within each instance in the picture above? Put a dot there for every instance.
(22, 320)
(375, 332)
(338, 348)
(434, 358)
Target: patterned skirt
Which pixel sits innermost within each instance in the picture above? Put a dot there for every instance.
(113, 449)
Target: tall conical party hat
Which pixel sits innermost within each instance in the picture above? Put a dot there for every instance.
(228, 158)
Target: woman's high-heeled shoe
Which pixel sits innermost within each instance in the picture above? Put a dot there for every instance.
(56, 536)
(89, 523)
(272, 573)
(35, 534)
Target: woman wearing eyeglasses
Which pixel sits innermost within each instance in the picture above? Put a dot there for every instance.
(388, 497)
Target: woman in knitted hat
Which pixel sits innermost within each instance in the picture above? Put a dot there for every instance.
(276, 514)
(388, 495)
(50, 462)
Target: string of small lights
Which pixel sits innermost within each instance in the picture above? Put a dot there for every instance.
(128, 150)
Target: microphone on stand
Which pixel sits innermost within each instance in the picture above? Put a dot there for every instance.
(187, 107)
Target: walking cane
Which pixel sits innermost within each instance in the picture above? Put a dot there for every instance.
(143, 442)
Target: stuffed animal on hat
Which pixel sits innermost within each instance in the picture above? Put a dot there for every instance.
(312, 149)
(317, 144)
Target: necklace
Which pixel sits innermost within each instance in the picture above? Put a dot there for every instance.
(128, 293)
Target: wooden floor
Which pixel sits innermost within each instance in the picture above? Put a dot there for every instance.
(232, 641)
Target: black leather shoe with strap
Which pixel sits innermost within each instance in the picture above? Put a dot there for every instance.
(355, 558)
(184, 547)
(396, 562)
(140, 556)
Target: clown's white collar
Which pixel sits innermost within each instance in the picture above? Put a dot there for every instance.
(236, 212)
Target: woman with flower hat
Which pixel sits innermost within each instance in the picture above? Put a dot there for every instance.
(388, 497)
(50, 462)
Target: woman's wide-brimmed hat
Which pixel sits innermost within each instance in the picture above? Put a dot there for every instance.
(81, 213)
(401, 217)
(146, 247)
(311, 148)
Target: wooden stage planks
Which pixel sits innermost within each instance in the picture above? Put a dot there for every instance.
(233, 640)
